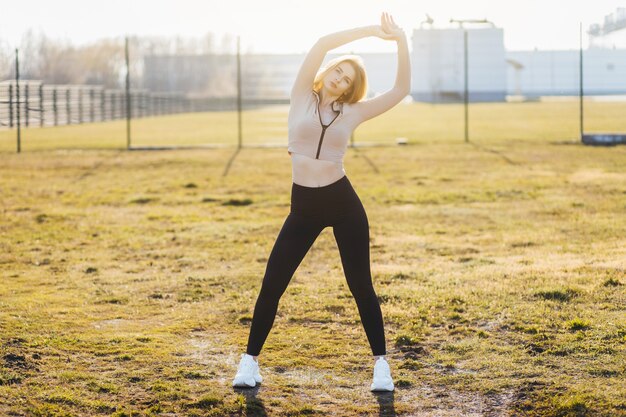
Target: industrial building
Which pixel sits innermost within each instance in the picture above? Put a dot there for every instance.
(611, 33)
(557, 73)
(437, 63)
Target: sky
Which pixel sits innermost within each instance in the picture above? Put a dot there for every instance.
(284, 26)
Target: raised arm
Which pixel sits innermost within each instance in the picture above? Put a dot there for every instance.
(402, 87)
(313, 60)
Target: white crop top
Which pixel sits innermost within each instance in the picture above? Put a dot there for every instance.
(309, 136)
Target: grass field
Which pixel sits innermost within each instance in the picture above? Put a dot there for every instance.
(544, 121)
(129, 278)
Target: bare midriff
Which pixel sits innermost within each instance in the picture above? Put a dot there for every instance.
(311, 172)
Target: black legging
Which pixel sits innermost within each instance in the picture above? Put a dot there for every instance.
(312, 209)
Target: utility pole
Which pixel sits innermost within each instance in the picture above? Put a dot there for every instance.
(466, 68)
(128, 114)
(239, 109)
(17, 92)
(580, 90)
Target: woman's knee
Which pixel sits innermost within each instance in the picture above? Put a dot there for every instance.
(271, 291)
(362, 289)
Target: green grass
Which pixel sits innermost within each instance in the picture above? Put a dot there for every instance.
(418, 122)
(129, 281)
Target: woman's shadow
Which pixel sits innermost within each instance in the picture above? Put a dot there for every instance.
(254, 405)
(385, 404)
(256, 408)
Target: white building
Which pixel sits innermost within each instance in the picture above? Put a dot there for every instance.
(547, 73)
(493, 73)
(611, 33)
(538, 73)
(438, 64)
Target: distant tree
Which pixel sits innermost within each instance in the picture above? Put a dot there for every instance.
(29, 50)
(7, 61)
(229, 44)
(208, 44)
(101, 62)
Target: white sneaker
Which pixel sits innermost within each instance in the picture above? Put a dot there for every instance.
(382, 376)
(247, 372)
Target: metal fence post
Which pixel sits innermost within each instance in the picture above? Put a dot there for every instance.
(239, 141)
(91, 106)
(122, 105)
(41, 115)
(26, 105)
(68, 109)
(111, 105)
(17, 100)
(128, 94)
(10, 105)
(581, 92)
(54, 107)
(466, 85)
(80, 105)
(102, 101)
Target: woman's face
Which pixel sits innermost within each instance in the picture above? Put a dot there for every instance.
(340, 79)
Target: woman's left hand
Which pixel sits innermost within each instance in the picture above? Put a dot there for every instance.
(390, 26)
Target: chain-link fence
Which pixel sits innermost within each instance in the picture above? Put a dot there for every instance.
(464, 86)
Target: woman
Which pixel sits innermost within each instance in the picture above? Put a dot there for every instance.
(325, 108)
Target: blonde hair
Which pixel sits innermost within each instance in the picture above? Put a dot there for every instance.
(357, 90)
